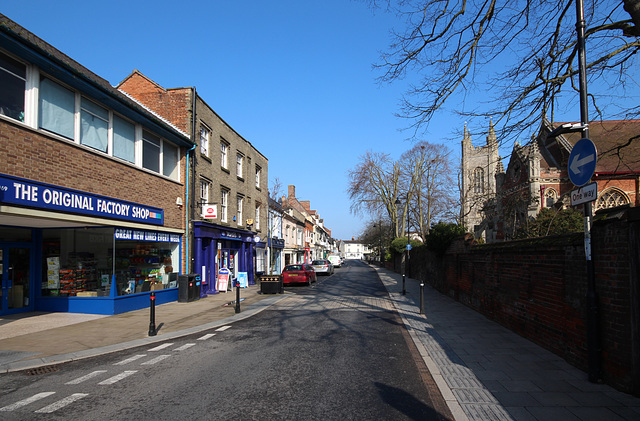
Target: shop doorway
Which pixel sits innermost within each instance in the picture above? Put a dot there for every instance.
(15, 273)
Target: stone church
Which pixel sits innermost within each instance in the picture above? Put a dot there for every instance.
(496, 201)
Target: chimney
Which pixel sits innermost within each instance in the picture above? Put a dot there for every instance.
(292, 191)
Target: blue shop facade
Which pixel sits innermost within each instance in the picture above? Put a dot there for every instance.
(223, 255)
(66, 250)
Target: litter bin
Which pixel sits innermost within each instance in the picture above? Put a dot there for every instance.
(188, 287)
(271, 284)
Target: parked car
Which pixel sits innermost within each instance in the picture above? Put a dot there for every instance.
(322, 266)
(335, 260)
(298, 274)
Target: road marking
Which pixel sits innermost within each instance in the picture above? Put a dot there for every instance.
(207, 336)
(117, 378)
(87, 377)
(26, 402)
(183, 347)
(61, 403)
(160, 347)
(222, 328)
(131, 359)
(156, 360)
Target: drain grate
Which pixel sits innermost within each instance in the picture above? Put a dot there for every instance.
(42, 370)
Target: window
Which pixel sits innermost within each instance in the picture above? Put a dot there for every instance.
(150, 151)
(223, 155)
(224, 202)
(258, 174)
(257, 221)
(57, 109)
(611, 198)
(240, 202)
(204, 191)
(94, 125)
(204, 140)
(550, 196)
(169, 160)
(124, 139)
(13, 79)
(239, 161)
(478, 181)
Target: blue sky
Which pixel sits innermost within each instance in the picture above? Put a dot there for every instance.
(293, 77)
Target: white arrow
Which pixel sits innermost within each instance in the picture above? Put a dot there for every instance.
(577, 162)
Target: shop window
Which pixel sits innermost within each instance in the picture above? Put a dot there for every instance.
(81, 262)
(13, 77)
(94, 125)
(57, 108)
(150, 151)
(124, 139)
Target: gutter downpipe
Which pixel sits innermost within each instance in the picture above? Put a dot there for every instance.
(188, 207)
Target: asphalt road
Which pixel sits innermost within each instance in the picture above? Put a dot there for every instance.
(332, 351)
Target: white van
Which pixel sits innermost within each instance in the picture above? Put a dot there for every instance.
(335, 260)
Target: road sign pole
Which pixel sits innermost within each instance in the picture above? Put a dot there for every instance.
(593, 337)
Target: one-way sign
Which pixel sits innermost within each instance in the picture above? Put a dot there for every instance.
(582, 162)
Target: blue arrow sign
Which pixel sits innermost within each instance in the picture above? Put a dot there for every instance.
(582, 162)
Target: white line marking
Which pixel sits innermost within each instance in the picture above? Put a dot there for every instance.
(117, 378)
(87, 377)
(156, 360)
(183, 347)
(222, 328)
(159, 347)
(25, 402)
(61, 403)
(207, 336)
(131, 359)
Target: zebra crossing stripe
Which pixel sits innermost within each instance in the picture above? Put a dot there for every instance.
(61, 403)
(183, 347)
(117, 378)
(87, 377)
(131, 359)
(156, 360)
(160, 347)
(26, 402)
(222, 328)
(207, 336)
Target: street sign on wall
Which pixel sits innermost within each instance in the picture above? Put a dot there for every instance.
(582, 162)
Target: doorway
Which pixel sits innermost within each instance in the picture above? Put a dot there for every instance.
(15, 273)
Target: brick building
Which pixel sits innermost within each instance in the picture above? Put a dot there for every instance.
(227, 201)
(90, 187)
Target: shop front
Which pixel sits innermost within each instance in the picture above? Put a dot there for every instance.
(222, 254)
(70, 251)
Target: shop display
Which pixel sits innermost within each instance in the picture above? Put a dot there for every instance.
(142, 268)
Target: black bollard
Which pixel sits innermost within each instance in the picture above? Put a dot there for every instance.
(422, 297)
(152, 309)
(237, 296)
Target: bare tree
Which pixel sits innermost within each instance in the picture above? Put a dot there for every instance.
(520, 54)
(374, 187)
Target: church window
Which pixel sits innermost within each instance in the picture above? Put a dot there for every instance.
(611, 198)
(478, 181)
(550, 197)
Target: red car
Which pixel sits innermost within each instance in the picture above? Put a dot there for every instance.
(300, 273)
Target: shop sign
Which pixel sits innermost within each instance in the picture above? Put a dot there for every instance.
(229, 234)
(21, 192)
(140, 235)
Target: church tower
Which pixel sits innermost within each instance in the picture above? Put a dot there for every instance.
(480, 165)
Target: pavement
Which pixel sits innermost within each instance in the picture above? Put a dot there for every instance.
(483, 370)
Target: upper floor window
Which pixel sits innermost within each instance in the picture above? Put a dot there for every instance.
(204, 140)
(150, 151)
(94, 126)
(240, 203)
(57, 108)
(239, 162)
(478, 181)
(224, 149)
(611, 198)
(124, 139)
(258, 176)
(204, 191)
(550, 197)
(224, 204)
(257, 217)
(13, 79)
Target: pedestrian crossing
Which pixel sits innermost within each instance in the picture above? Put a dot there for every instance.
(102, 377)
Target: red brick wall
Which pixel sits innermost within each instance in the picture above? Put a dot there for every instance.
(538, 288)
(26, 153)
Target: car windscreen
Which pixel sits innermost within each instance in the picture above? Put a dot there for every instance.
(292, 268)
(318, 262)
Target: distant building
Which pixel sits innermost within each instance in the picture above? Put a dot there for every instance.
(355, 249)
